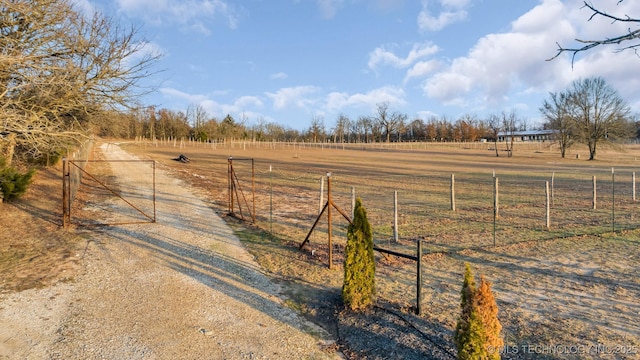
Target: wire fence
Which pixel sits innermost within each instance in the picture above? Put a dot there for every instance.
(530, 206)
(80, 156)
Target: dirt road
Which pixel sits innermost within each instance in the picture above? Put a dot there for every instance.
(181, 288)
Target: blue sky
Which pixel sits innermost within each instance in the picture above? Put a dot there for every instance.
(289, 61)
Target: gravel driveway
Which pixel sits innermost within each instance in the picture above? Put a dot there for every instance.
(181, 288)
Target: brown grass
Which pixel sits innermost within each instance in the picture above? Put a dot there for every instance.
(575, 284)
(34, 250)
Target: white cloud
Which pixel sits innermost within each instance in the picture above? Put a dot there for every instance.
(449, 87)
(451, 11)
(84, 7)
(243, 105)
(339, 101)
(144, 50)
(329, 8)
(248, 101)
(504, 66)
(600, 27)
(381, 56)
(500, 62)
(279, 76)
(421, 69)
(293, 97)
(196, 15)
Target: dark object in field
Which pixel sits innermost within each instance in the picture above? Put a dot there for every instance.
(182, 158)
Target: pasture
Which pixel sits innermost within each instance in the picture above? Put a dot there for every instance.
(567, 290)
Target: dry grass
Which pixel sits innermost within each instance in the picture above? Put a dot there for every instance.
(34, 250)
(575, 284)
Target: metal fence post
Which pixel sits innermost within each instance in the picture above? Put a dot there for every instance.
(419, 279)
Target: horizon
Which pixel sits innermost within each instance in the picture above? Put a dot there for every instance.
(289, 62)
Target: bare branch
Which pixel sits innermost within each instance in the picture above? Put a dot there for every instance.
(590, 44)
(58, 69)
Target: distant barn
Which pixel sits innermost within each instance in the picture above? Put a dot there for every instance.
(528, 135)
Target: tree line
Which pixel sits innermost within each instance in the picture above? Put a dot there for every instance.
(589, 112)
(195, 124)
(65, 75)
(60, 70)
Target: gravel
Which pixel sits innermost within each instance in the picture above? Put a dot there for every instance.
(181, 288)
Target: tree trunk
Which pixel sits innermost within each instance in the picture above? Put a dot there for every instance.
(7, 149)
(592, 151)
(495, 143)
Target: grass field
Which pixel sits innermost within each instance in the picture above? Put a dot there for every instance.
(564, 288)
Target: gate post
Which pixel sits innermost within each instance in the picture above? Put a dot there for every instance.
(419, 279)
(230, 183)
(66, 197)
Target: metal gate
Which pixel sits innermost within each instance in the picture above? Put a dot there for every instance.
(75, 171)
(236, 194)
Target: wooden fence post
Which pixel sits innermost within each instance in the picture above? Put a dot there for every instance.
(353, 201)
(546, 186)
(594, 193)
(633, 186)
(453, 192)
(395, 216)
(495, 208)
(321, 204)
(613, 200)
(553, 178)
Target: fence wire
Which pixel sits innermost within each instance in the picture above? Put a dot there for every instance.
(288, 202)
(80, 156)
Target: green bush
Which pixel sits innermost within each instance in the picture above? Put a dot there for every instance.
(13, 184)
(477, 334)
(358, 289)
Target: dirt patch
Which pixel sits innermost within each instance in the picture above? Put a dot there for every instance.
(587, 284)
(34, 250)
(574, 293)
(183, 287)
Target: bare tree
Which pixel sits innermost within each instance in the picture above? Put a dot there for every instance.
(630, 35)
(342, 127)
(354, 132)
(389, 122)
(494, 126)
(557, 111)
(417, 129)
(317, 130)
(509, 121)
(58, 68)
(197, 117)
(364, 126)
(598, 112)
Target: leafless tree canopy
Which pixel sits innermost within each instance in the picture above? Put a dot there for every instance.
(590, 112)
(58, 67)
(630, 38)
(390, 122)
(557, 112)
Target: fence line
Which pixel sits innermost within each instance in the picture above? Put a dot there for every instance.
(75, 177)
(235, 144)
(405, 208)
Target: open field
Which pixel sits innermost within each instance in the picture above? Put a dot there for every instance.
(573, 286)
